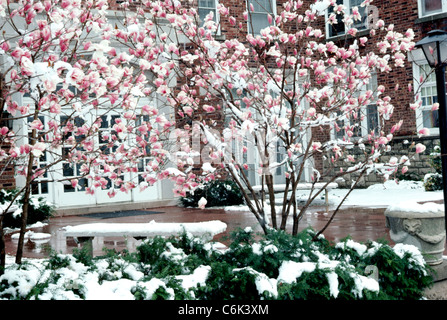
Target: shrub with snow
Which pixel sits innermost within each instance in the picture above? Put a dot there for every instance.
(39, 209)
(278, 266)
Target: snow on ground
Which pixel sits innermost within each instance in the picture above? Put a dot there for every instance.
(389, 193)
(378, 195)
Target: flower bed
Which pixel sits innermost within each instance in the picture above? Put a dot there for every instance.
(276, 267)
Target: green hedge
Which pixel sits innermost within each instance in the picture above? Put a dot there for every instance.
(278, 266)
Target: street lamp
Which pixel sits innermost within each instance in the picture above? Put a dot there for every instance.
(434, 46)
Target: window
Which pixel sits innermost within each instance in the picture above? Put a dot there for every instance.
(430, 7)
(337, 29)
(428, 96)
(72, 170)
(257, 19)
(365, 121)
(205, 7)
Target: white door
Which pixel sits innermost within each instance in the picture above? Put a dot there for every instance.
(103, 195)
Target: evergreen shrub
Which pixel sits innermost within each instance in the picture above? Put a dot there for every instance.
(275, 266)
(39, 209)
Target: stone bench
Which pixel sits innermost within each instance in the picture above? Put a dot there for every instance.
(86, 233)
(280, 188)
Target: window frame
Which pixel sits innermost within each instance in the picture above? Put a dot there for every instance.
(421, 13)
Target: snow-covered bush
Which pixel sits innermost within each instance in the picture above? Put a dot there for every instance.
(276, 266)
(39, 209)
(217, 193)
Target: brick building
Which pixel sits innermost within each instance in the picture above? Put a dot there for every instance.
(419, 15)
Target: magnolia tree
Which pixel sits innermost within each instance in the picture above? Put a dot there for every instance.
(256, 102)
(67, 70)
(290, 100)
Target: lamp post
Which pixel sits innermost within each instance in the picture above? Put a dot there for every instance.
(434, 46)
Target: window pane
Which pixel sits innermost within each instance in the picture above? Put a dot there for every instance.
(428, 97)
(264, 6)
(258, 19)
(430, 119)
(360, 24)
(258, 22)
(431, 6)
(205, 7)
(339, 27)
(373, 118)
(44, 187)
(203, 12)
(67, 170)
(206, 3)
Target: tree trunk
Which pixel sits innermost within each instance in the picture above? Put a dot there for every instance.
(21, 242)
(26, 197)
(2, 249)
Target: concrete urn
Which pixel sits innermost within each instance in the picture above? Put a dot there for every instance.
(421, 225)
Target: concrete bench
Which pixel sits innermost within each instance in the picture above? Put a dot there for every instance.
(86, 233)
(280, 188)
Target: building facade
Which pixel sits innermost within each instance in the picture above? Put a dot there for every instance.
(419, 15)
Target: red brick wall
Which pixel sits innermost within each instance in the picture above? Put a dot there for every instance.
(7, 180)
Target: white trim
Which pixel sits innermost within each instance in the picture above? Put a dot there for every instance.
(420, 9)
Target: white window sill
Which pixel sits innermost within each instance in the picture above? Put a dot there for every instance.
(431, 17)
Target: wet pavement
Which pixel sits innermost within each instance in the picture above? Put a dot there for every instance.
(361, 224)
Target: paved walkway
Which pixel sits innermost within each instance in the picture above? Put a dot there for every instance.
(362, 224)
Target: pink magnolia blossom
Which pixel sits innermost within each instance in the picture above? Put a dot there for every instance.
(27, 66)
(38, 149)
(420, 148)
(36, 125)
(424, 131)
(4, 131)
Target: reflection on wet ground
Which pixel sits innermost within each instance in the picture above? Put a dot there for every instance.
(361, 224)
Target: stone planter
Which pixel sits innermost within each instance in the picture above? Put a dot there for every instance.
(421, 225)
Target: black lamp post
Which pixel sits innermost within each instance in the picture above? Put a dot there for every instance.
(434, 46)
